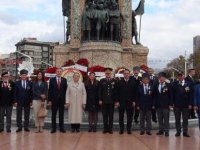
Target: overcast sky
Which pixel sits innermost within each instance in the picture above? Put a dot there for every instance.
(168, 26)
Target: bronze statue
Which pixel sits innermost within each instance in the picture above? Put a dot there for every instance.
(114, 15)
(86, 22)
(66, 6)
(134, 28)
(66, 9)
(68, 30)
(138, 11)
(102, 17)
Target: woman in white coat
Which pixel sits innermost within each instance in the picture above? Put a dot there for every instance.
(75, 100)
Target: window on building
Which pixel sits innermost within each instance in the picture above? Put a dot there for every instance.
(45, 54)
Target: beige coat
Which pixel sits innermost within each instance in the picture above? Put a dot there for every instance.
(76, 97)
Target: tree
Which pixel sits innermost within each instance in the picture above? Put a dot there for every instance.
(177, 63)
(196, 63)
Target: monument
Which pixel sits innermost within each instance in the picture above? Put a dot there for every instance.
(102, 31)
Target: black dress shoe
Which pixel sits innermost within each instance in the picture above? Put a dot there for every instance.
(160, 133)
(53, 131)
(154, 120)
(77, 130)
(111, 132)
(26, 130)
(166, 133)
(177, 134)
(193, 117)
(90, 130)
(136, 121)
(121, 132)
(1, 130)
(73, 130)
(186, 135)
(148, 133)
(8, 130)
(142, 133)
(129, 132)
(62, 130)
(95, 129)
(105, 131)
(19, 130)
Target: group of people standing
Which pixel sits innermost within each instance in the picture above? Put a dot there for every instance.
(142, 96)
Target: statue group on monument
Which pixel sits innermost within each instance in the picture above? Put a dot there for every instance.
(102, 20)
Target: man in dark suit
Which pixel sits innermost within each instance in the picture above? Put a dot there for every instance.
(145, 104)
(190, 79)
(163, 103)
(23, 100)
(137, 80)
(56, 99)
(126, 96)
(107, 99)
(6, 101)
(182, 101)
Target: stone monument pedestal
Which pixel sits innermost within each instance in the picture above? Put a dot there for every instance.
(106, 54)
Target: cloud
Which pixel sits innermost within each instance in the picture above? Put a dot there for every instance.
(168, 26)
(169, 33)
(29, 18)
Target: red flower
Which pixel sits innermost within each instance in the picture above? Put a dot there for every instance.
(96, 69)
(144, 67)
(51, 70)
(83, 62)
(69, 63)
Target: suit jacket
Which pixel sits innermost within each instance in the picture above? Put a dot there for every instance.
(56, 95)
(163, 98)
(38, 90)
(6, 94)
(108, 91)
(145, 101)
(92, 101)
(190, 80)
(192, 84)
(138, 81)
(182, 95)
(126, 92)
(197, 95)
(23, 96)
(153, 80)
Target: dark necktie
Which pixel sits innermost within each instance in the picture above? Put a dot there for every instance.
(23, 84)
(58, 83)
(161, 87)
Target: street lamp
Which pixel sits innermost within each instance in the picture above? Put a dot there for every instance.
(30, 60)
(47, 63)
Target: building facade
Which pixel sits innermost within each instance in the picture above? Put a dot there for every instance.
(196, 43)
(40, 52)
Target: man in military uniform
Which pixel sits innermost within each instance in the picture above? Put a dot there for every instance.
(107, 99)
